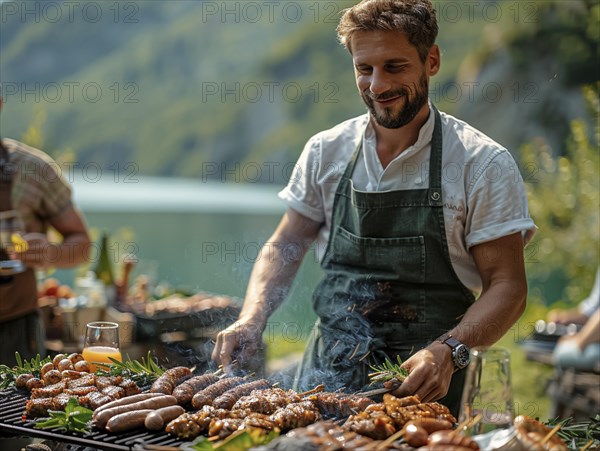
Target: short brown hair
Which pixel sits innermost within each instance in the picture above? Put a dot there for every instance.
(415, 18)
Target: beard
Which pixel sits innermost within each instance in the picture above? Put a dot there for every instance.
(388, 117)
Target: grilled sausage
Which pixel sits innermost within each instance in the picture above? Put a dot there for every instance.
(170, 379)
(52, 377)
(432, 424)
(205, 397)
(125, 401)
(185, 391)
(75, 357)
(47, 367)
(58, 358)
(22, 379)
(101, 420)
(127, 420)
(229, 398)
(156, 420)
(451, 438)
(415, 436)
(82, 366)
(64, 364)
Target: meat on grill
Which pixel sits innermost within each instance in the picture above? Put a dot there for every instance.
(167, 382)
(185, 391)
(230, 397)
(267, 401)
(375, 424)
(339, 405)
(295, 415)
(206, 396)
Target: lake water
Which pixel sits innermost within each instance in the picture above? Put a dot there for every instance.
(194, 235)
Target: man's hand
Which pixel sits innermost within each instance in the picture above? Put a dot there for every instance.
(240, 341)
(429, 373)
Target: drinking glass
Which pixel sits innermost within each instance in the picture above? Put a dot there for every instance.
(11, 229)
(488, 391)
(101, 342)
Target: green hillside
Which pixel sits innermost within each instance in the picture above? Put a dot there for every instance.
(200, 88)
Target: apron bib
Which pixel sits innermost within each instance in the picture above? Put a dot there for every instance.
(389, 287)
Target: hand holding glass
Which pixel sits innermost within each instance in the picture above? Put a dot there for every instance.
(11, 241)
(101, 342)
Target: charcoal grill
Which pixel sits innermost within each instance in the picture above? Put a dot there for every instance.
(12, 406)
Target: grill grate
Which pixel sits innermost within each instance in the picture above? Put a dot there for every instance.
(12, 406)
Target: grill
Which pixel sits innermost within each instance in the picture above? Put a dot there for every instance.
(12, 406)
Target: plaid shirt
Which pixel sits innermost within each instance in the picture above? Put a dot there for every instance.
(39, 190)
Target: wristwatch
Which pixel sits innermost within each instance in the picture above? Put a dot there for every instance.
(460, 352)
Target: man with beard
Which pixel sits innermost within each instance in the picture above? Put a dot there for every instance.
(420, 222)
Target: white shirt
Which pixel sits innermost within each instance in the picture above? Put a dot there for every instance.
(592, 303)
(482, 188)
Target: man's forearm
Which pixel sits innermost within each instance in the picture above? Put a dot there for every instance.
(492, 315)
(72, 251)
(271, 279)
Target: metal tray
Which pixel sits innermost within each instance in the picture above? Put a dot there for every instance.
(12, 407)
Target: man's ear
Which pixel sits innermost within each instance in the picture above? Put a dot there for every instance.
(433, 60)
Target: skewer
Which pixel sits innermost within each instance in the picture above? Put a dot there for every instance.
(587, 445)
(549, 435)
(388, 441)
(317, 389)
(469, 422)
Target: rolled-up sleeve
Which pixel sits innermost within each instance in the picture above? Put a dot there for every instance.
(302, 192)
(497, 202)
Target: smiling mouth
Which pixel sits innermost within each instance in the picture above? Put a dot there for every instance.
(387, 102)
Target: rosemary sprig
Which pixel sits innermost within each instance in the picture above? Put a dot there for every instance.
(9, 375)
(388, 371)
(142, 372)
(577, 435)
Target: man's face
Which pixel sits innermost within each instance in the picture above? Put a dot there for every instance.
(391, 78)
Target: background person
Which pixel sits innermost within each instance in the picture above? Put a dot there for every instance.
(32, 185)
(582, 349)
(407, 253)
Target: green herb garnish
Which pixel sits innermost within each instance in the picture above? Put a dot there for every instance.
(142, 372)
(245, 439)
(75, 418)
(388, 371)
(578, 435)
(8, 375)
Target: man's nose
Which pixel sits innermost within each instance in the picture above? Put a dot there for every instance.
(379, 83)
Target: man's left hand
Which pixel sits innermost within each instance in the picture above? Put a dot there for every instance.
(429, 373)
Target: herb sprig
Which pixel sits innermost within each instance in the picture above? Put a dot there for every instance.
(75, 418)
(8, 375)
(142, 372)
(577, 435)
(388, 371)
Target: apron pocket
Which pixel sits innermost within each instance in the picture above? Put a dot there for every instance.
(401, 259)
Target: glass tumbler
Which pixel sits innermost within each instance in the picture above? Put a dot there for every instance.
(488, 391)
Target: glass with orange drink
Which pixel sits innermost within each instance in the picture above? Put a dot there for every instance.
(101, 343)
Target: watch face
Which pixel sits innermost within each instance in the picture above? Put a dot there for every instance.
(462, 356)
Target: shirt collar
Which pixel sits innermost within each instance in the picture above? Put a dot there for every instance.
(424, 138)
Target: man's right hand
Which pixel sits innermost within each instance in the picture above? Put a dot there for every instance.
(240, 342)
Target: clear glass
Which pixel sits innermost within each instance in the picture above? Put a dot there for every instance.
(11, 227)
(101, 343)
(488, 391)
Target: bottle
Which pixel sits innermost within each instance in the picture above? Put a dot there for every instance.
(103, 269)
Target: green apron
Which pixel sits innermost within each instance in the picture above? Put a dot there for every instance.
(389, 287)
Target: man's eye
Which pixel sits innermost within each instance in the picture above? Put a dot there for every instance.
(364, 69)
